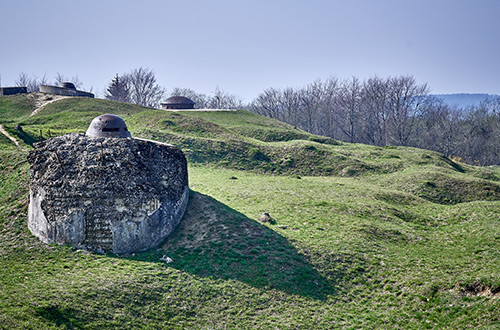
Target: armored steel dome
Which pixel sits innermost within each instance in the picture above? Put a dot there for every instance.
(68, 85)
(177, 102)
(108, 126)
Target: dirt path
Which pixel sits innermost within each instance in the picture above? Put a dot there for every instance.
(10, 137)
(40, 100)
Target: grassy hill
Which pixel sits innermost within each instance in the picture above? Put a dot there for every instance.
(366, 237)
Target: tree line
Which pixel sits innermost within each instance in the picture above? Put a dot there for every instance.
(387, 111)
(377, 111)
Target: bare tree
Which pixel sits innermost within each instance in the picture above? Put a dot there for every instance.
(144, 90)
(268, 103)
(31, 83)
(309, 106)
(23, 80)
(405, 103)
(292, 105)
(327, 111)
(375, 110)
(222, 100)
(349, 113)
(438, 127)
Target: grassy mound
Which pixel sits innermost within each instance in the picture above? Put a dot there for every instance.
(365, 237)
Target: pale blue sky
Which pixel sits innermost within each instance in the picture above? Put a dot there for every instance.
(246, 46)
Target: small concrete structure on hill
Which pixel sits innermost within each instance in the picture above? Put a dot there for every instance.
(66, 89)
(177, 103)
(106, 191)
(13, 90)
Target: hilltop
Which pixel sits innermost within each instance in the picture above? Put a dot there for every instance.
(365, 237)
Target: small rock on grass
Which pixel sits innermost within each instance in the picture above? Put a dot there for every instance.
(266, 218)
(166, 259)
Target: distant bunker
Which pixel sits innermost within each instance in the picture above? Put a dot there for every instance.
(177, 103)
(66, 89)
(13, 90)
(105, 191)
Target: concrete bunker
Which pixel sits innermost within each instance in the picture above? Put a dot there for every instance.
(66, 89)
(177, 102)
(106, 193)
(13, 90)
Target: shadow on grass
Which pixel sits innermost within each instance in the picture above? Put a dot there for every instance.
(27, 137)
(65, 318)
(216, 241)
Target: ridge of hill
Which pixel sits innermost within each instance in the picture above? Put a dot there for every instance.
(366, 237)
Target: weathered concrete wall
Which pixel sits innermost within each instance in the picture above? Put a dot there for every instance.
(106, 194)
(64, 91)
(13, 90)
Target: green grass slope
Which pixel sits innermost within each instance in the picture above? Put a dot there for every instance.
(365, 237)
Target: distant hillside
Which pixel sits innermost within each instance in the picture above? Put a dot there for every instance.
(365, 237)
(464, 100)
